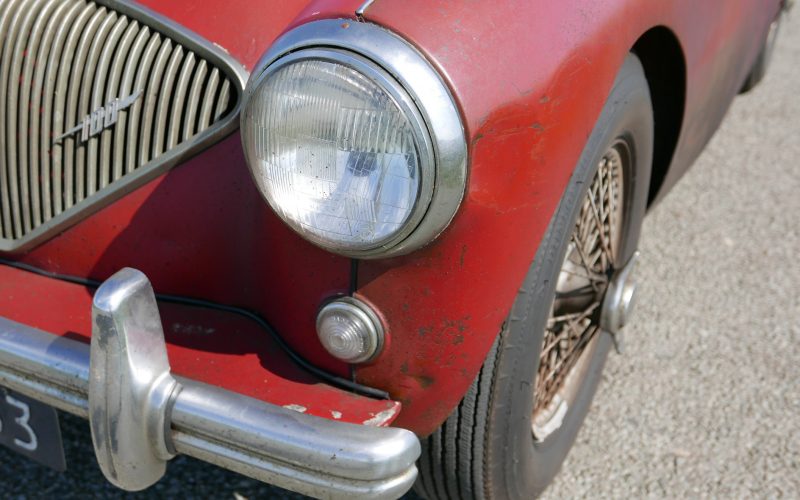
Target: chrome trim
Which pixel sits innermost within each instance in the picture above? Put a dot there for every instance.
(64, 217)
(416, 76)
(307, 454)
(54, 370)
(130, 385)
(364, 6)
(620, 301)
(355, 308)
(101, 118)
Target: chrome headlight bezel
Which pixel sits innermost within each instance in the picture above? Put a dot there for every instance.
(405, 74)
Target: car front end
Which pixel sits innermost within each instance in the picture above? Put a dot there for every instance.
(124, 174)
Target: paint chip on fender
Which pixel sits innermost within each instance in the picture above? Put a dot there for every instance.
(380, 418)
(297, 408)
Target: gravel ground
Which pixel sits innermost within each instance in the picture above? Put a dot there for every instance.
(706, 400)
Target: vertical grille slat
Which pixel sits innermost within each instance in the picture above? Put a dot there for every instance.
(72, 112)
(209, 101)
(127, 88)
(28, 115)
(180, 96)
(98, 89)
(165, 100)
(114, 90)
(144, 72)
(190, 121)
(92, 91)
(223, 99)
(151, 95)
(7, 25)
(56, 96)
(86, 103)
(46, 57)
(18, 178)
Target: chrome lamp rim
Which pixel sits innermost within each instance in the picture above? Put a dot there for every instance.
(406, 75)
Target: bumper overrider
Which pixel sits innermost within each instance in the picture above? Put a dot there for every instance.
(141, 415)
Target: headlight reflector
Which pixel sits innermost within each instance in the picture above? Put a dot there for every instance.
(337, 151)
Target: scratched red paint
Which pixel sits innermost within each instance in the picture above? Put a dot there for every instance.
(203, 345)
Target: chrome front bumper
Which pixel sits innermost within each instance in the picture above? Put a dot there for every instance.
(141, 415)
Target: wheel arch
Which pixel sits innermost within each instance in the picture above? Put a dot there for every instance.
(662, 57)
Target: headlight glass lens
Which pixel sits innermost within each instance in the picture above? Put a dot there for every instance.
(333, 153)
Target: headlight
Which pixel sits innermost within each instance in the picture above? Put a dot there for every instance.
(354, 140)
(337, 151)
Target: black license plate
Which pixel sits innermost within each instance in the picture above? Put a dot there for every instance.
(31, 429)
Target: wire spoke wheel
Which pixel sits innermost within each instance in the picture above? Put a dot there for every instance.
(589, 263)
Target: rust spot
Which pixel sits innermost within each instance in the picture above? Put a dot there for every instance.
(425, 381)
(537, 127)
(459, 339)
(345, 25)
(544, 99)
(461, 257)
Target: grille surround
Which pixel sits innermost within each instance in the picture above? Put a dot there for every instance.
(131, 28)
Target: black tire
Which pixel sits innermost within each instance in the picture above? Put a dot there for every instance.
(760, 67)
(486, 448)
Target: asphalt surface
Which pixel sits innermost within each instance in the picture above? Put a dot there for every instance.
(706, 400)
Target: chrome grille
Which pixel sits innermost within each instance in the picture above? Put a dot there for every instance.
(62, 60)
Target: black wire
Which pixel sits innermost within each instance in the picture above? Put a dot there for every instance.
(188, 301)
(353, 277)
(350, 292)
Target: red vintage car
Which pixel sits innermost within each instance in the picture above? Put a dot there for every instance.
(344, 247)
